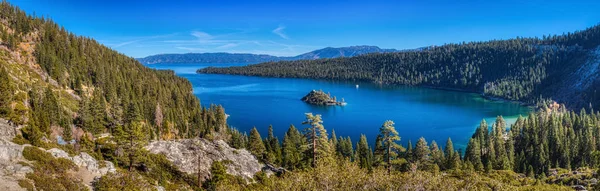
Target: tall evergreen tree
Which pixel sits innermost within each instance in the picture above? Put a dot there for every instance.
(389, 136)
(132, 137)
(363, 153)
(317, 137)
(158, 120)
(6, 93)
(255, 144)
(293, 149)
(449, 153)
(421, 151)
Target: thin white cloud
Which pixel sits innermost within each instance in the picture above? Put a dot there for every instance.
(125, 43)
(279, 31)
(228, 45)
(139, 39)
(190, 48)
(201, 35)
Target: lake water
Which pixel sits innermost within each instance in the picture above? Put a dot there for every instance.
(417, 112)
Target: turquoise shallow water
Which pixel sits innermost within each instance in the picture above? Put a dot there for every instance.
(430, 113)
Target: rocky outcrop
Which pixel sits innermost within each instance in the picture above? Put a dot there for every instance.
(197, 155)
(10, 154)
(84, 160)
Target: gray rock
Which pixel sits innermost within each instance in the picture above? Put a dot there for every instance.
(84, 160)
(197, 155)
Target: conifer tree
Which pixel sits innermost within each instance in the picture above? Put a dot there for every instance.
(389, 136)
(6, 92)
(437, 156)
(293, 149)
(132, 137)
(473, 154)
(158, 120)
(421, 151)
(255, 144)
(317, 138)
(449, 153)
(273, 148)
(363, 156)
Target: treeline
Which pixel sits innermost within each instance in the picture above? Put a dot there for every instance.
(517, 69)
(95, 88)
(533, 145)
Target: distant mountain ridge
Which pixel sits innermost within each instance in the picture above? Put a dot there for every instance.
(222, 57)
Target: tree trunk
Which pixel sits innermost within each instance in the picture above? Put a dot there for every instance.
(131, 154)
(314, 135)
(199, 177)
(388, 159)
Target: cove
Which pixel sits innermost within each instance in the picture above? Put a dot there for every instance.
(418, 112)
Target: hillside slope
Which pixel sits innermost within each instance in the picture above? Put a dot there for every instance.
(53, 81)
(69, 102)
(523, 69)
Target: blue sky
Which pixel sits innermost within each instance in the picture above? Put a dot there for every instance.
(287, 28)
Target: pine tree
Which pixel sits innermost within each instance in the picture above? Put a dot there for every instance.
(346, 149)
(421, 151)
(293, 149)
(132, 137)
(158, 120)
(317, 136)
(389, 136)
(273, 148)
(473, 154)
(437, 156)
(255, 144)
(449, 152)
(6, 93)
(363, 153)
(409, 152)
(499, 145)
(218, 173)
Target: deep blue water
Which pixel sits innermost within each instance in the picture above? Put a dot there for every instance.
(430, 113)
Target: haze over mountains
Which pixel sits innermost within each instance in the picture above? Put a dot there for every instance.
(222, 57)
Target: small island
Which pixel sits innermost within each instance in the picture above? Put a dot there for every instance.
(321, 98)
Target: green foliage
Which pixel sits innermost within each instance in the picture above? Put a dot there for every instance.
(388, 136)
(6, 93)
(364, 154)
(218, 173)
(293, 149)
(26, 184)
(51, 173)
(255, 144)
(131, 138)
(316, 136)
(347, 175)
(273, 148)
(117, 182)
(46, 163)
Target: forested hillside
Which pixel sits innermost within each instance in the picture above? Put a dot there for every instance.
(563, 67)
(75, 80)
(68, 92)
